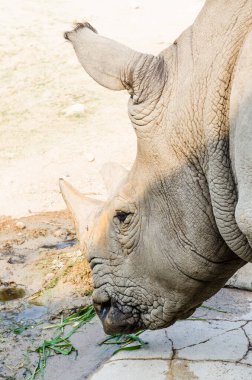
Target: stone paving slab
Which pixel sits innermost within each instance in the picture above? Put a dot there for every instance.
(190, 333)
(184, 370)
(172, 370)
(133, 370)
(229, 346)
(218, 346)
(236, 303)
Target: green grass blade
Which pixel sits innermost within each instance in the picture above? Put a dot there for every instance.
(128, 348)
(214, 309)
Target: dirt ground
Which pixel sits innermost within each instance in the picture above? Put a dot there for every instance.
(42, 139)
(43, 275)
(41, 77)
(41, 253)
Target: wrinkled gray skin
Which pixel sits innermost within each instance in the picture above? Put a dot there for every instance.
(172, 233)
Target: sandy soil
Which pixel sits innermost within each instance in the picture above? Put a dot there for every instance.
(40, 78)
(41, 141)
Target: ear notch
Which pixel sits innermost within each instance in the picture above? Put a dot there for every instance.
(113, 174)
(82, 208)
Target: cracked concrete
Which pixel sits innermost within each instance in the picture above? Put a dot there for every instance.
(218, 348)
(213, 344)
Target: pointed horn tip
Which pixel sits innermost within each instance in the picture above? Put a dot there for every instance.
(61, 182)
(64, 185)
(67, 189)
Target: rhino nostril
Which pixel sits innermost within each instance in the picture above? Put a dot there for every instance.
(102, 309)
(105, 309)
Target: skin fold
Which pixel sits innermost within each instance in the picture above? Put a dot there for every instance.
(174, 229)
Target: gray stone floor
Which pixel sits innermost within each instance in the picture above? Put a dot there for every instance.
(211, 345)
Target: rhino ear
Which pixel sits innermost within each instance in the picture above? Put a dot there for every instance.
(82, 208)
(105, 60)
(113, 174)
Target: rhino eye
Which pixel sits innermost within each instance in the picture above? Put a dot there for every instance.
(122, 216)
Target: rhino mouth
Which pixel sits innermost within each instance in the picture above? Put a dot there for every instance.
(114, 321)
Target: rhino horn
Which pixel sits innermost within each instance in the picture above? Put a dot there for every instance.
(82, 208)
(113, 174)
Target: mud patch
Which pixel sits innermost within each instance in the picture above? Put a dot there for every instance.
(10, 291)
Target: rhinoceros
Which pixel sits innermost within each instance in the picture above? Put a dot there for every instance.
(178, 225)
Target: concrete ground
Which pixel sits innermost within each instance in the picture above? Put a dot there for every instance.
(211, 345)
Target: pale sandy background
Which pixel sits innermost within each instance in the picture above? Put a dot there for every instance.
(41, 78)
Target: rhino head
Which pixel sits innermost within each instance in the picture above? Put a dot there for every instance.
(167, 238)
